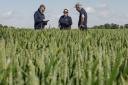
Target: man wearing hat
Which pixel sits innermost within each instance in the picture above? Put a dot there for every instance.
(82, 24)
(39, 18)
(65, 20)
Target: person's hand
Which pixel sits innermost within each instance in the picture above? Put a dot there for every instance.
(81, 26)
(45, 22)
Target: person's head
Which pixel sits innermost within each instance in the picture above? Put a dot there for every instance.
(78, 7)
(42, 8)
(65, 12)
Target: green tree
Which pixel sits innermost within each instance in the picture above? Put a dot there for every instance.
(107, 26)
(114, 26)
(1, 25)
(126, 26)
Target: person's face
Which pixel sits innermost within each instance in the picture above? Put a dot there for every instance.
(78, 9)
(42, 10)
(65, 13)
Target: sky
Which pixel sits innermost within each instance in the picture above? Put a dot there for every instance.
(19, 13)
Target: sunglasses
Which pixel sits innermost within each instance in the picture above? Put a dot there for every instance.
(65, 12)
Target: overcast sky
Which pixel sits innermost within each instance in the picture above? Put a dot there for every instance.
(19, 13)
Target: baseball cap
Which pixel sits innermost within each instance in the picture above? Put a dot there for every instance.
(65, 10)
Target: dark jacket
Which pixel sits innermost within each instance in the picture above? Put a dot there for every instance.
(65, 22)
(83, 12)
(38, 20)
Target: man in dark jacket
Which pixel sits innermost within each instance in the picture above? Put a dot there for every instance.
(39, 18)
(65, 21)
(82, 24)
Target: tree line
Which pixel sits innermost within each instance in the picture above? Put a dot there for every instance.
(105, 26)
(5, 26)
(111, 26)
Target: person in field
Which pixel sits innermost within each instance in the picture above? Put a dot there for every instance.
(82, 24)
(39, 18)
(65, 20)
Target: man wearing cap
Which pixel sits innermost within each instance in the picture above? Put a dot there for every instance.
(39, 18)
(82, 24)
(65, 20)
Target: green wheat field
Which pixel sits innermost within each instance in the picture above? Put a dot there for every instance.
(63, 57)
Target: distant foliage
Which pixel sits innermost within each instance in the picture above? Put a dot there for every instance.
(5, 26)
(126, 26)
(105, 26)
(111, 26)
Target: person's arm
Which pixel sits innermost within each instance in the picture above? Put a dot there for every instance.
(82, 19)
(70, 21)
(37, 18)
(59, 22)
